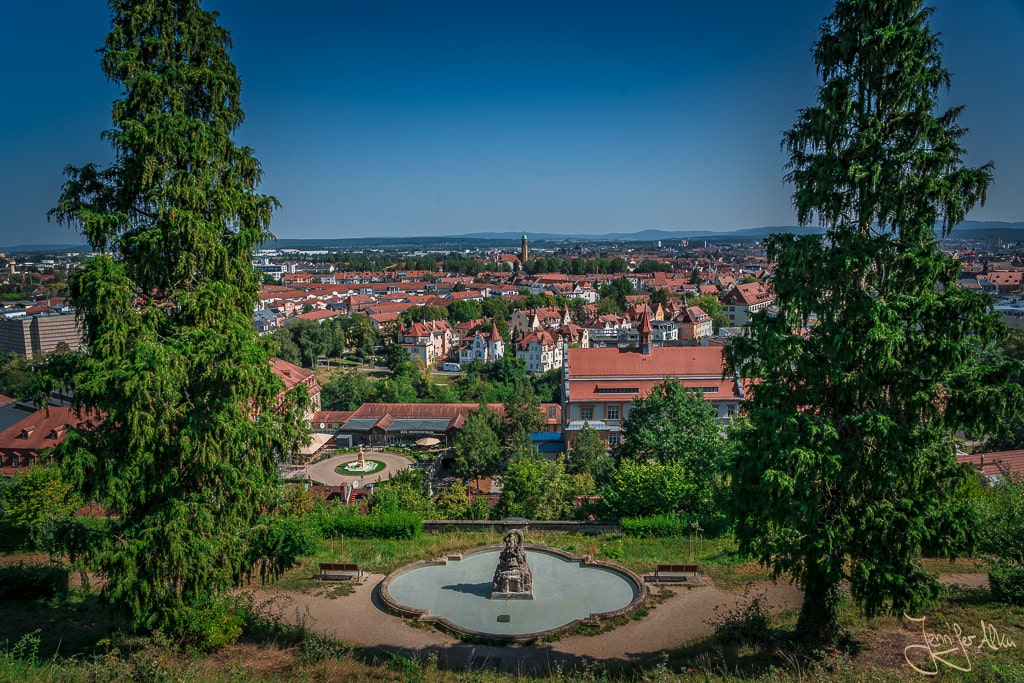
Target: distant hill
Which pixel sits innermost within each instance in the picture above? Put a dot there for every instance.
(968, 230)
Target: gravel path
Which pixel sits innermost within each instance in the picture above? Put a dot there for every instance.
(359, 618)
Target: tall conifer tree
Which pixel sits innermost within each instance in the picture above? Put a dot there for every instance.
(182, 456)
(872, 362)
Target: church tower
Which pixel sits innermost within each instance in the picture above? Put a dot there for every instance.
(526, 250)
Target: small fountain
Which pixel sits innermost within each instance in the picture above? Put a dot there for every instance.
(362, 464)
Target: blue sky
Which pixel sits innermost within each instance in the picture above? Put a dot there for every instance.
(389, 117)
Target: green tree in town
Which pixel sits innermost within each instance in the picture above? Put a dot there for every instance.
(188, 418)
(346, 390)
(589, 454)
(714, 308)
(536, 488)
(477, 448)
(1009, 436)
(464, 311)
(674, 424)
(641, 488)
(38, 501)
(453, 502)
(848, 456)
(548, 386)
(405, 491)
(15, 375)
(360, 335)
(522, 416)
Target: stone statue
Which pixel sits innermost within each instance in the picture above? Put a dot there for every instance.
(512, 577)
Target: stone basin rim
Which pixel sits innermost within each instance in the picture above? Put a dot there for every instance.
(423, 615)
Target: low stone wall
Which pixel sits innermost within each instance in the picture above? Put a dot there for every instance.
(437, 526)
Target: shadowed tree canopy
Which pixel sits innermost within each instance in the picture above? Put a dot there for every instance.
(193, 419)
(872, 362)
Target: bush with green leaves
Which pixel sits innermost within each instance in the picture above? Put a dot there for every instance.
(212, 623)
(336, 520)
(277, 543)
(667, 525)
(1000, 530)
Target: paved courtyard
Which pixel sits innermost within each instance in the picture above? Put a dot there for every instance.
(324, 470)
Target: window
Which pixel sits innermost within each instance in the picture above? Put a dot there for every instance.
(587, 413)
(618, 390)
(612, 412)
(614, 439)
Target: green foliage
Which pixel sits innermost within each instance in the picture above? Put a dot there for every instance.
(211, 623)
(655, 526)
(464, 311)
(15, 376)
(1006, 581)
(536, 488)
(188, 418)
(295, 499)
(714, 308)
(453, 502)
(336, 521)
(33, 581)
(303, 341)
(477, 448)
(1000, 521)
(418, 314)
(277, 542)
(589, 454)
(395, 355)
(360, 335)
(37, 501)
(674, 424)
(638, 489)
(848, 456)
(548, 386)
(346, 390)
(405, 491)
(522, 415)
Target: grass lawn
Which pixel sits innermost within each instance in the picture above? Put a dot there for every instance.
(78, 639)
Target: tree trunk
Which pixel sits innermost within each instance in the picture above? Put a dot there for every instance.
(818, 623)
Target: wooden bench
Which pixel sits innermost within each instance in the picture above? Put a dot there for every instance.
(675, 572)
(337, 571)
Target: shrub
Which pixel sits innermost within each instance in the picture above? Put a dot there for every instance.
(211, 624)
(1006, 583)
(660, 526)
(744, 624)
(33, 581)
(277, 543)
(343, 520)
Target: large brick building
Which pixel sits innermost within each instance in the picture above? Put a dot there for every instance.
(599, 384)
(34, 334)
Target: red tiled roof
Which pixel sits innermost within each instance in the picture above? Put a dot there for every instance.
(669, 361)
(45, 428)
(1000, 463)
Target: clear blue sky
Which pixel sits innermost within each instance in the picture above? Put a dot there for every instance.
(386, 117)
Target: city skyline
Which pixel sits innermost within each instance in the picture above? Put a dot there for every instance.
(414, 119)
